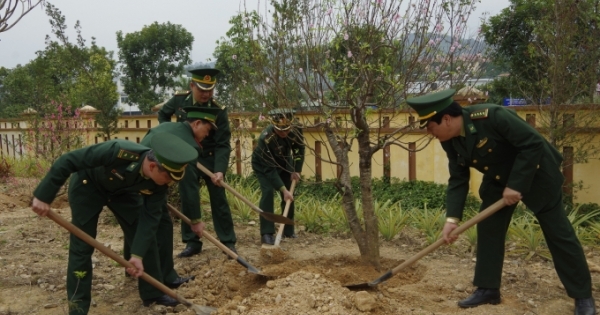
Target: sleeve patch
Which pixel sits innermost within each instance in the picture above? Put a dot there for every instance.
(480, 114)
(128, 155)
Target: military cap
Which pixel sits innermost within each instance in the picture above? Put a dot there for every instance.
(429, 105)
(281, 118)
(205, 78)
(204, 113)
(173, 153)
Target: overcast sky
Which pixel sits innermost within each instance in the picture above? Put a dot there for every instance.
(207, 20)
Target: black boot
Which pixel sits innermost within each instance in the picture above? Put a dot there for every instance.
(481, 296)
(189, 252)
(585, 306)
(161, 300)
(267, 239)
(232, 248)
(179, 281)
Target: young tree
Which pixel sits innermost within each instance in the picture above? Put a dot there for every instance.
(10, 6)
(351, 58)
(153, 59)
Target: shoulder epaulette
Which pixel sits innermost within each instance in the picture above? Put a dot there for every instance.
(184, 92)
(479, 114)
(217, 104)
(128, 155)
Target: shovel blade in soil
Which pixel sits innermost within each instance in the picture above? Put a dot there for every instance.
(251, 269)
(371, 284)
(203, 310)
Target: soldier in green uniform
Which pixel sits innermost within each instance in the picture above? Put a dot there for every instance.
(197, 126)
(131, 180)
(518, 164)
(276, 161)
(215, 156)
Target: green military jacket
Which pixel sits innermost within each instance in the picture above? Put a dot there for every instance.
(184, 131)
(509, 153)
(216, 147)
(114, 168)
(273, 153)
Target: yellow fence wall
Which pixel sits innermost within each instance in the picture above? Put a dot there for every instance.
(431, 162)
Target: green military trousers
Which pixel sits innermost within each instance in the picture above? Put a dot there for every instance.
(164, 241)
(221, 213)
(86, 203)
(567, 253)
(267, 202)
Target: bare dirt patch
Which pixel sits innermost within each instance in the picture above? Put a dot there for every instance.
(310, 278)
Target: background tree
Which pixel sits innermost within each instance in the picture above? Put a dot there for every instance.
(71, 74)
(8, 8)
(237, 80)
(346, 58)
(552, 49)
(94, 69)
(152, 60)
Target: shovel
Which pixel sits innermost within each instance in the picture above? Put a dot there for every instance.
(220, 245)
(281, 226)
(469, 223)
(269, 216)
(199, 309)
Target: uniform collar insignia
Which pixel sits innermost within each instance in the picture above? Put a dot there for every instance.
(146, 192)
(132, 166)
(472, 128)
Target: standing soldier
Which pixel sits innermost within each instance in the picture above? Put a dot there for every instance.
(215, 156)
(518, 164)
(276, 161)
(131, 180)
(193, 130)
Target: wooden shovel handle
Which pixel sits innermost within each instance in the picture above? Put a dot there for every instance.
(285, 213)
(461, 228)
(204, 234)
(233, 191)
(106, 251)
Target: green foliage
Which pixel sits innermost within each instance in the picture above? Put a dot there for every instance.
(152, 60)
(392, 218)
(93, 68)
(234, 57)
(412, 194)
(80, 274)
(429, 221)
(239, 209)
(528, 236)
(471, 236)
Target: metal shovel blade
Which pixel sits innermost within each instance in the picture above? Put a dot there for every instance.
(250, 268)
(374, 283)
(216, 242)
(203, 310)
(277, 218)
(469, 223)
